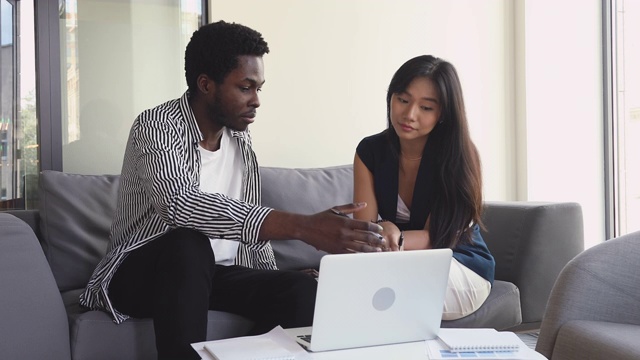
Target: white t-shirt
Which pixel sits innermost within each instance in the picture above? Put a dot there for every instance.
(221, 173)
(403, 214)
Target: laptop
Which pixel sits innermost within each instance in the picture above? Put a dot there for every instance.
(368, 299)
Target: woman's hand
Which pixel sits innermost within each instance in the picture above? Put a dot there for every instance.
(391, 234)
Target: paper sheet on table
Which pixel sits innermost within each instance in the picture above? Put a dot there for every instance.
(277, 335)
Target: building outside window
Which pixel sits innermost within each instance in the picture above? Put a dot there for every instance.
(19, 163)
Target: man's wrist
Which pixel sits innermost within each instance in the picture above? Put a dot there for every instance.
(280, 225)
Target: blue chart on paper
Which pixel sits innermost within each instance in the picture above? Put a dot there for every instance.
(446, 354)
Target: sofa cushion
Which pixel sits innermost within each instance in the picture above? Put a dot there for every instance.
(94, 335)
(304, 191)
(75, 217)
(500, 311)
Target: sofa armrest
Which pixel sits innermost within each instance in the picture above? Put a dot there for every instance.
(582, 339)
(31, 217)
(532, 242)
(34, 323)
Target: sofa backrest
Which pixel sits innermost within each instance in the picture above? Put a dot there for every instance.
(75, 218)
(304, 191)
(75, 214)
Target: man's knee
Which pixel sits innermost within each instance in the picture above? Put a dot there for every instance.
(303, 298)
(183, 244)
(303, 287)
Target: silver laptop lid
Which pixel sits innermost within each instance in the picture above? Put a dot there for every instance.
(368, 299)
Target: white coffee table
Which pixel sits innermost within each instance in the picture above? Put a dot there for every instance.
(405, 351)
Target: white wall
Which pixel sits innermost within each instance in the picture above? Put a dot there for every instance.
(331, 62)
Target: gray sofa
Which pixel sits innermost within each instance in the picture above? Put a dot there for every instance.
(530, 241)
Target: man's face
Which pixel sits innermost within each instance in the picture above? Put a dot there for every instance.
(235, 101)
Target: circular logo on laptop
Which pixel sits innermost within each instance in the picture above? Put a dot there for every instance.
(383, 298)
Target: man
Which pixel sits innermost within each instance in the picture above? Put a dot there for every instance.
(190, 184)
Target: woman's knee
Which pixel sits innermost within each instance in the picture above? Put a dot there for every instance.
(466, 292)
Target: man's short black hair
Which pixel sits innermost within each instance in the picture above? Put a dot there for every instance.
(214, 49)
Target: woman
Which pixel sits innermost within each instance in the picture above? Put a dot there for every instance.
(421, 179)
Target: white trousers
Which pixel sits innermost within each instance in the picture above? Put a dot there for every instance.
(466, 292)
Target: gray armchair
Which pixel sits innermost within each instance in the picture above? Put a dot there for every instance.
(594, 307)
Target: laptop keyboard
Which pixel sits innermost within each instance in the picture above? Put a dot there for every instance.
(306, 338)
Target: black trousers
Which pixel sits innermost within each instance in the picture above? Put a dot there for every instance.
(175, 281)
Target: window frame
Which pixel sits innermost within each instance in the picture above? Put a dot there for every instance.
(48, 83)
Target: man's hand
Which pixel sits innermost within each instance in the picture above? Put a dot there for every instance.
(334, 232)
(330, 230)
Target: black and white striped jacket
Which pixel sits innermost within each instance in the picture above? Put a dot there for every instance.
(159, 191)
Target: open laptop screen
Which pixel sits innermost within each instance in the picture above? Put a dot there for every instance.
(368, 299)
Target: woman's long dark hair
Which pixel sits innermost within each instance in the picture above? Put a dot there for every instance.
(457, 197)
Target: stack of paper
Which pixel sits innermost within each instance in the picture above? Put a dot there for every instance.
(241, 349)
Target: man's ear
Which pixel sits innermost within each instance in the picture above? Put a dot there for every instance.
(205, 84)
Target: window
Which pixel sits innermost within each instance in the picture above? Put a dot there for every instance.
(118, 58)
(99, 64)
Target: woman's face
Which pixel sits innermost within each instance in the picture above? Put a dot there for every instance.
(415, 111)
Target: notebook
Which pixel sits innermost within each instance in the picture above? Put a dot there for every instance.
(479, 340)
(368, 299)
